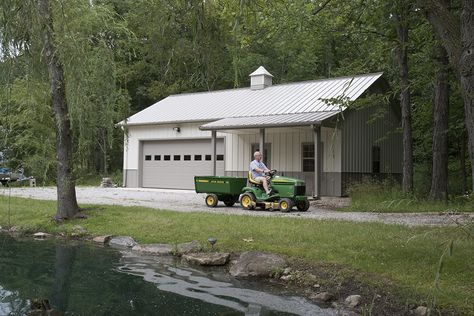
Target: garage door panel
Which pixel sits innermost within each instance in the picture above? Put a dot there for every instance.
(178, 174)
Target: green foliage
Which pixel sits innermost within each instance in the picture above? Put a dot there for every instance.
(121, 56)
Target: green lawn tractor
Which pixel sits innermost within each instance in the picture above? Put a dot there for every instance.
(286, 193)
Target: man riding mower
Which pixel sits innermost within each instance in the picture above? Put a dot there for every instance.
(268, 191)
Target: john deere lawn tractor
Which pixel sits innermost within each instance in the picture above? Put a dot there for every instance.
(286, 193)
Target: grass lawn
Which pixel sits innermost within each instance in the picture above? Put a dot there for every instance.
(406, 256)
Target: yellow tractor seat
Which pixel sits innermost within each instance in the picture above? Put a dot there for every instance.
(252, 180)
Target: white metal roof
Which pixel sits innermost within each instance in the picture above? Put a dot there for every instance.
(292, 98)
(281, 120)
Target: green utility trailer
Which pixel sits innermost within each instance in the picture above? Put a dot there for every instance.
(225, 189)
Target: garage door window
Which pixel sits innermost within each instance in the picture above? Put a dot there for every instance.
(208, 157)
(148, 157)
(220, 157)
(166, 157)
(187, 157)
(157, 157)
(176, 157)
(197, 157)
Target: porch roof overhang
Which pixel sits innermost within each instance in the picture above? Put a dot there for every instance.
(265, 121)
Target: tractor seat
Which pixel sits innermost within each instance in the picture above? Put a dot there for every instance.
(252, 181)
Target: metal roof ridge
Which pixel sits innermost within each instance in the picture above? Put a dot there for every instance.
(275, 85)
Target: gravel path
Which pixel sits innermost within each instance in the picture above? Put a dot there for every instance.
(189, 201)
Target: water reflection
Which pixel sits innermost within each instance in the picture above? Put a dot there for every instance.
(81, 279)
(192, 283)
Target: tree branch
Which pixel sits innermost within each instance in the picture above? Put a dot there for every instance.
(447, 27)
(321, 7)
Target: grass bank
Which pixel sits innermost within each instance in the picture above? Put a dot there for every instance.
(406, 256)
(387, 197)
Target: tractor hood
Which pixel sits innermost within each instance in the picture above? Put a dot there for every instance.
(287, 181)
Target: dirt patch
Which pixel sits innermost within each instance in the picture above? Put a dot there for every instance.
(379, 295)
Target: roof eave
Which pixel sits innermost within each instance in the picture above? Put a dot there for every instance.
(217, 128)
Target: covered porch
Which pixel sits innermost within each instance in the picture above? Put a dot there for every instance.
(297, 145)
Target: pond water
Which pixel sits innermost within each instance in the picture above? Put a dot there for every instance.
(83, 279)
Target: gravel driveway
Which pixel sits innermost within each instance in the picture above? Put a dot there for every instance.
(189, 201)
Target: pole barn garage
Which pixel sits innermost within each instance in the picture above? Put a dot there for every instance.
(307, 130)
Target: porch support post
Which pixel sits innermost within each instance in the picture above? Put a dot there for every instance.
(213, 150)
(261, 143)
(317, 161)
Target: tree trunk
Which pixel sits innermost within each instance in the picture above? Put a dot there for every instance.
(405, 104)
(466, 73)
(458, 39)
(67, 204)
(462, 165)
(439, 179)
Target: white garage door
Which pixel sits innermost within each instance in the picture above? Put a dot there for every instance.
(173, 164)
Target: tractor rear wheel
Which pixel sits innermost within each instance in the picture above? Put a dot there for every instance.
(302, 206)
(211, 200)
(285, 205)
(247, 201)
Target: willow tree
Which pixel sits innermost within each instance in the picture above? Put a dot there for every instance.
(66, 201)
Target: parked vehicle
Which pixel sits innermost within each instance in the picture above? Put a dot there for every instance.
(286, 192)
(7, 176)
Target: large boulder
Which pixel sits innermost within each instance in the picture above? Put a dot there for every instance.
(257, 264)
(122, 241)
(154, 249)
(102, 239)
(189, 247)
(207, 258)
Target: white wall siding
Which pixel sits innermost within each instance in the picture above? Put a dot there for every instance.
(286, 149)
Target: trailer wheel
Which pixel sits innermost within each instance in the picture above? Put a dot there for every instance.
(211, 200)
(247, 201)
(229, 202)
(302, 206)
(285, 205)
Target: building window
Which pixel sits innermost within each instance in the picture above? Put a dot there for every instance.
(266, 153)
(177, 157)
(208, 157)
(220, 158)
(308, 157)
(375, 159)
(197, 157)
(166, 157)
(187, 157)
(157, 157)
(148, 157)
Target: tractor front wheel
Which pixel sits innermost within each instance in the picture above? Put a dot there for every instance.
(247, 201)
(211, 200)
(302, 206)
(285, 205)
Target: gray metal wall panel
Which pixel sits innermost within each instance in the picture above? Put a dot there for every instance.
(131, 178)
(359, 135)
